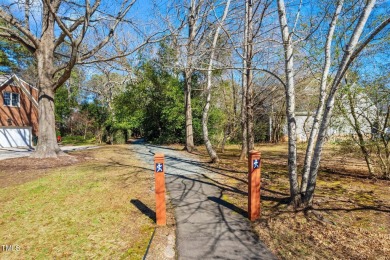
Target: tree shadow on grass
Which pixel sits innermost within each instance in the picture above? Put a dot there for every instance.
(144, 209)
(378, 208)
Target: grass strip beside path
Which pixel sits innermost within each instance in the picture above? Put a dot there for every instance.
(80, 211)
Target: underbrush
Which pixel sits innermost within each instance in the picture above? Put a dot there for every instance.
(78, 140)
(350, 216)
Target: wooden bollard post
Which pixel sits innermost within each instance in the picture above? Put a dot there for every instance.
(159, 168)
(254, 173)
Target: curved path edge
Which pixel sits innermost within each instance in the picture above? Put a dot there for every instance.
(207, 226)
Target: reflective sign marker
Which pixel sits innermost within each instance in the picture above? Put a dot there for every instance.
(159, 175)
(254, 173)
(159, 167)
(256, 163)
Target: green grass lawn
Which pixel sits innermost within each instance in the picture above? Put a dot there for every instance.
(79, 211)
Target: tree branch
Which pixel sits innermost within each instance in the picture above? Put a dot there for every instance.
(11, 20)
(148, 41)
(99, 46)
(11, 35)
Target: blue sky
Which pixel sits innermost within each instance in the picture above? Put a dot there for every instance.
(144, 15)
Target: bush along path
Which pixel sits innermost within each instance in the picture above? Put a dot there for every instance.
(207, 225)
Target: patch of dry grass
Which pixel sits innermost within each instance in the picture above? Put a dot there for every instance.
(80, 211)
(351, 216)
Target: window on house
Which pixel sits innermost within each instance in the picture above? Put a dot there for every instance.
(11, 99)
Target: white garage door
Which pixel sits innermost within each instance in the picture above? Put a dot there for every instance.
(15, 136)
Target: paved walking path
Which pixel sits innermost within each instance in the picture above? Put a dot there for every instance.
(207, 226)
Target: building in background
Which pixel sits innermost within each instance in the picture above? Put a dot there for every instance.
(18, 112)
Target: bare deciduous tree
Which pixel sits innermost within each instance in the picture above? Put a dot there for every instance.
(290, 101)
(351, 51)
(323, 88)
(255, 13)
(326, 101)
(56, 33)
(213, 155)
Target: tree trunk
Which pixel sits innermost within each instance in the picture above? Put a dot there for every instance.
(385, 142)
(213, 155)
(188, 77)
(290, 104)
(47, 143)
(321, 104)
(234, 102)
(244, 129)
(249, 77)
(270, 124)
(311, 183)
(367, 157)
(225, 137)
(356, 126)
(85, 131)
(126, 134)
(188, 110)
(342, 68)
(209, 147)
(244, 144)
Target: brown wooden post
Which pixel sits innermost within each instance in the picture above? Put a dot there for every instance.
(159, 168)
(254, 174)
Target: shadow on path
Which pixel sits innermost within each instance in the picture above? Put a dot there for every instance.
(208, 227)
(229, 205)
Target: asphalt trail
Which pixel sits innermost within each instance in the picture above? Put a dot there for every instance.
(207, 226)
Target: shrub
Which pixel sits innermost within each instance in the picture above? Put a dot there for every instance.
(78, 140)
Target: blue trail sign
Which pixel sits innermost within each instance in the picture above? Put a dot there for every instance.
(256, 164)
(159, 167)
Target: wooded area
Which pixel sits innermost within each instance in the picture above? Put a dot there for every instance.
(208, 72)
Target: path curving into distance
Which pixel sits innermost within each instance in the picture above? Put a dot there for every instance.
(207, 226)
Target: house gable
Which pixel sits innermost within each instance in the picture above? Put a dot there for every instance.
(25, 114)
